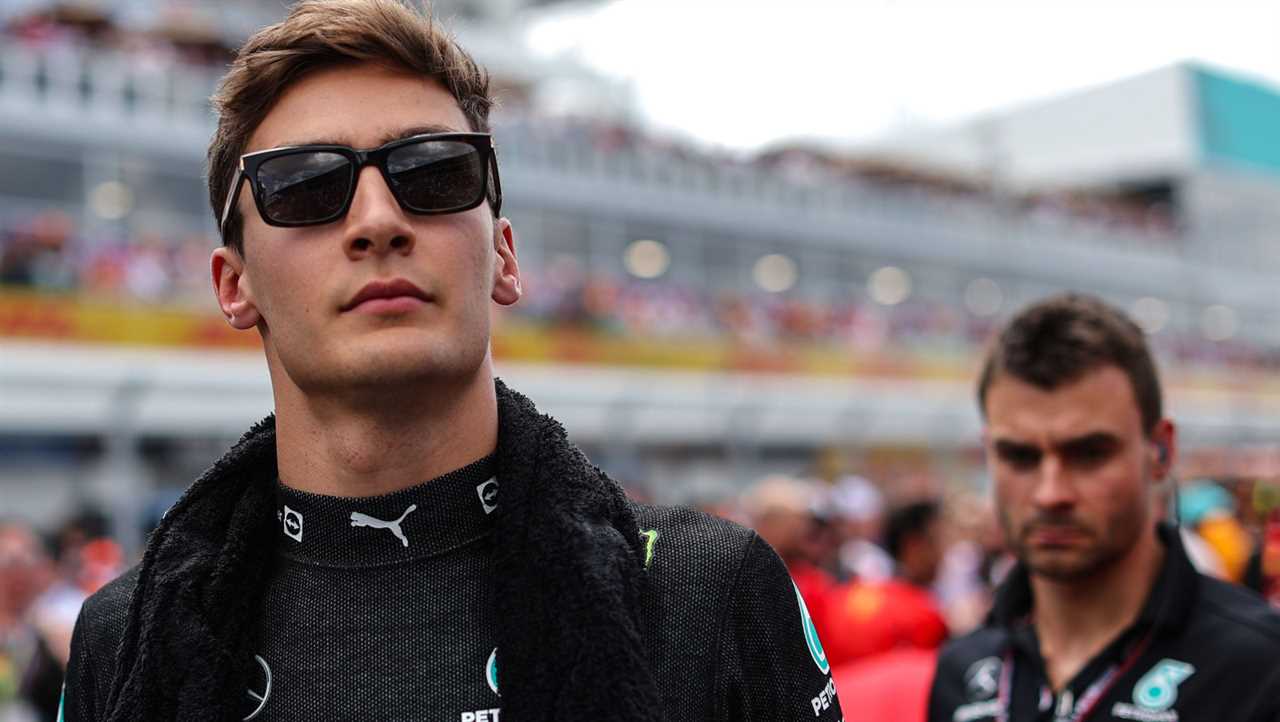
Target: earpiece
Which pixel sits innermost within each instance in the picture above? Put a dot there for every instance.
(1162, 452)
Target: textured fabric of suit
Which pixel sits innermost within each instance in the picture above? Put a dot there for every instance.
(415, 632)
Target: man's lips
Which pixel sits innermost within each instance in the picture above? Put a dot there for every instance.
(393, 295)
(1054, 535)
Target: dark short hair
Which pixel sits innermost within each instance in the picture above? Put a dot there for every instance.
(906, 522)
(1060, 339)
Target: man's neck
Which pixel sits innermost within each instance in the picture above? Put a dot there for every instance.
(1076, 620)
(369, 446)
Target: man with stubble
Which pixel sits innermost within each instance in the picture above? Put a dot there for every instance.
(1103, 617)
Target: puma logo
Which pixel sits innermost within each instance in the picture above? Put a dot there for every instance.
(358, 519)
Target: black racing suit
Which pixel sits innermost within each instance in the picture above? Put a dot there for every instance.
(1201, 651)
(376, 610)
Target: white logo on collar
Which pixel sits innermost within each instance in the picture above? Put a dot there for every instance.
(488, 492)
(291, 523)
(982, 679)
(358, 519)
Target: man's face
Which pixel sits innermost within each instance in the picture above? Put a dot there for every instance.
(1072, 471)
(297, 284)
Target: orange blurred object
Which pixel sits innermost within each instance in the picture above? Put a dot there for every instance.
(1231, 542)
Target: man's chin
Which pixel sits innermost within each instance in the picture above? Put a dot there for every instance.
(407, 370)
(1061, 565)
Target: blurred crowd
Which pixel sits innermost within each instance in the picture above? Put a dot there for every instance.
(43, 581)
(50, 251)
(163, 34)
(891, 571)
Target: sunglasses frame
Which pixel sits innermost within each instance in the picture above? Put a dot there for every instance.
(251, 162)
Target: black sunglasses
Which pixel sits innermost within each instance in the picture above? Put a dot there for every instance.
(428, 174)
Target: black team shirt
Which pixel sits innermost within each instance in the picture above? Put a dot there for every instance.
(1201, 650)
(379, 608)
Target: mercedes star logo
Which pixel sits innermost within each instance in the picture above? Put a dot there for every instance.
(260, 698)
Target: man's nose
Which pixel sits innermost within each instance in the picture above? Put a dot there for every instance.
(376, 224)
(1054, 487)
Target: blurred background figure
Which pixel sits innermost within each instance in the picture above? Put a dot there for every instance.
(913, 538)
(1208, 512)
(782, 510)
(884, 633)
(26, 572)
(42, 585)
(859, 509)
(867, 617)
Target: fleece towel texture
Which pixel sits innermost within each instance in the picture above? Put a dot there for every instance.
(570, 575)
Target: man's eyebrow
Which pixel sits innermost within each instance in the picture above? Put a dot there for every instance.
(383, 140)
(416, 130)
(1011, 445)
(1089, 439)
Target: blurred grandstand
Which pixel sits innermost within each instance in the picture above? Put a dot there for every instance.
(721, 316)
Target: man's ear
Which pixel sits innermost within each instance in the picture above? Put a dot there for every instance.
(1164, 448)
(506, 270)
(231, 287)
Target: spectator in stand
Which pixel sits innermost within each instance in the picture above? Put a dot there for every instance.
(36, 254)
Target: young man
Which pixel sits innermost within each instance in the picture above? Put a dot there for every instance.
(1104, 617)
(406, 538)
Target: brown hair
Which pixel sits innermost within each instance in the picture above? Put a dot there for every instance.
(324, 33)
(1062, 338)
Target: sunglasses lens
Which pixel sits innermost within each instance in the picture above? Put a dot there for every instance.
(435, 176)
(304, 187)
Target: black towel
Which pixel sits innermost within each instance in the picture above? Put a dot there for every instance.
(569, 564)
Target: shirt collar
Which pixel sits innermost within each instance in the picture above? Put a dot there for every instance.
(420, 521)
(1167, 605)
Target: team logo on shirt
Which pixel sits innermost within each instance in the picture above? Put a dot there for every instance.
(491, 671)
(982, 679)
(1158, 689)
(488, 492)
(650, 539)
(811, 635)
(1155, 694)
(358, 519)
(291, 522)
(260, 695)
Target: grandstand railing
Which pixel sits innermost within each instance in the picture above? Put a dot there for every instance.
(125, 94)
(73, 94)
(106, 84)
